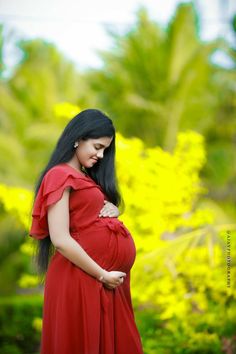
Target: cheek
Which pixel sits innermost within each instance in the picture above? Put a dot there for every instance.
(86, 153)
(91, 152)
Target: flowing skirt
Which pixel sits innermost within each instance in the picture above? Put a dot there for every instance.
(80, 315)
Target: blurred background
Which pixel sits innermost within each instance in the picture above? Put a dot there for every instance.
(165, 73)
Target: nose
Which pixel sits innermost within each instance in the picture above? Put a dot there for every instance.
(100, 154)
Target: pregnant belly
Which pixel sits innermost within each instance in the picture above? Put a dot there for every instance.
(109, 243)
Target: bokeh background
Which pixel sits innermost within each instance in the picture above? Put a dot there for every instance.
(165, 73)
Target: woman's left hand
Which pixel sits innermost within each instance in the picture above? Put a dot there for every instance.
(109, 210)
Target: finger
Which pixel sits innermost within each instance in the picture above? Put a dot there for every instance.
(108, 213)
(108, 287)
(102, 212)
(111, 286)
(116, 282)
(105, 210)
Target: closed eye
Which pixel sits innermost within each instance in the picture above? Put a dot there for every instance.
(100, 147)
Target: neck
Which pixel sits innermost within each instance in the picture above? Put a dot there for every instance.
(75, 164)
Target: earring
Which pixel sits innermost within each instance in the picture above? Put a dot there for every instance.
(76, 144)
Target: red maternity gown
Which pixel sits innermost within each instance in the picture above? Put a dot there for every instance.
(80, 315)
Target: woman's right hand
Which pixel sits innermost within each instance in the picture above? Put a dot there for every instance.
(113, 279)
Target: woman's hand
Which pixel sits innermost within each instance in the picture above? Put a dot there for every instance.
(113, 279)
(109, 210)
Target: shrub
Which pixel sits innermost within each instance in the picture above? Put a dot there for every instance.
(17, 331)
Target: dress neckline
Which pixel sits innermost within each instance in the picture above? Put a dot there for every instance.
(82, 175)
(77, 171)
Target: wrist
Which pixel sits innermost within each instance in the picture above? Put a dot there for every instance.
(102, 276)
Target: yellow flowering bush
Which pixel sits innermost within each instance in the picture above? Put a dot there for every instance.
(161, 189)
(17, 201)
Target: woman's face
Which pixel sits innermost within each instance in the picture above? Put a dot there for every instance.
(90, 151)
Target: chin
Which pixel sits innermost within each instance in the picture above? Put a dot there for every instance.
(94, 161)
(90, 164)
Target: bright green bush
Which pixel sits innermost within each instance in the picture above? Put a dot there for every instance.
(198, 334)
(18, 331)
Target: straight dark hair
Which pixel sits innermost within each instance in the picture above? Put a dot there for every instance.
(88, 124)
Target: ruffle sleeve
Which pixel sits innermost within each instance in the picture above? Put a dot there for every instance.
(51, 190)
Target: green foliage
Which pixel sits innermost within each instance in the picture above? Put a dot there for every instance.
(166, 338)
(156, 82)
(18, 334)
(163, 82)
(12, 262)
(29, 127)
(161, 86)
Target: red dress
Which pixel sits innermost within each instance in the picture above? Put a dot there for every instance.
(80, 315)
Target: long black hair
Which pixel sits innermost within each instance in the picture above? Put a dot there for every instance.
(88, 124)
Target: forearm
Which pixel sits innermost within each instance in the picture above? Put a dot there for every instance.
(72, 250)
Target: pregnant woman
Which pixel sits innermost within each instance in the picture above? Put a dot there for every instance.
(87, 302)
